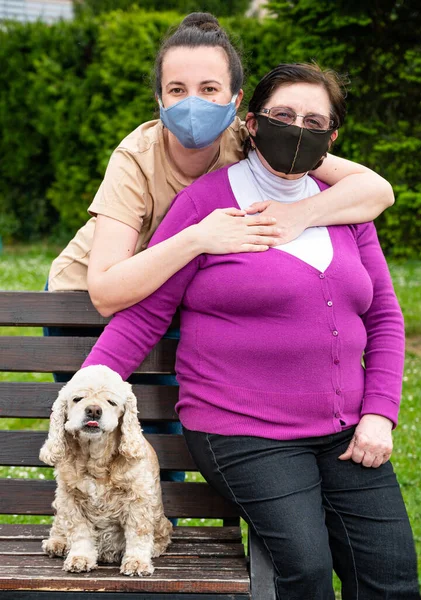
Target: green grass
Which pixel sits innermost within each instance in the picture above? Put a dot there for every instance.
(26, 268)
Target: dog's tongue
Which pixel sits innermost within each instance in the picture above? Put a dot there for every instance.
(92, 424)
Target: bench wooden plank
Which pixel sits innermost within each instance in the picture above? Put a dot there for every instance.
(193, 534)
(66, 354)
(181, 548)
(48, 309)
(21, 448)
(169, 581)
(212, 563)
(93, 595)
(195, 500)
(34, 400)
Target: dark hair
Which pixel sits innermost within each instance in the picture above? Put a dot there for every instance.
(287, 74)
(201, 29)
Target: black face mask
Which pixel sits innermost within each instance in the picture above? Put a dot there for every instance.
(290, 149)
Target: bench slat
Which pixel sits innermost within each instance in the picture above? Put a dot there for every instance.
(222, 549)
(34, 400)
(207, 563)
(193, 534)
(46, 308)
(168, 582)
(195, 500)
(52, 309)
(21, 448)
(66, 354)
(95, 595)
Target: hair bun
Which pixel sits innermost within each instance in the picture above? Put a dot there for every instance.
(203, 21)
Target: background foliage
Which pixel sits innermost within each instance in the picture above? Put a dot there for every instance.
(69, 92)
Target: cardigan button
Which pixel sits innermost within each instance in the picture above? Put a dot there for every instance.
(329, 303)
(336, 361)
(335, 332)
(338, 392)
(322, 276)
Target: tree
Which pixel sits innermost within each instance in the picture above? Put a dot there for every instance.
(377, 43)
(219, 8)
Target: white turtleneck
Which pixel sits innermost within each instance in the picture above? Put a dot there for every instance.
(252, 182)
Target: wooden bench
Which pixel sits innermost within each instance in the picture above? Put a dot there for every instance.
(202, 563)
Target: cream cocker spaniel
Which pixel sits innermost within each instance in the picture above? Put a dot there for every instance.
(108, 501)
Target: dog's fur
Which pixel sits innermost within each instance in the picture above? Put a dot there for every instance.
(108, 500)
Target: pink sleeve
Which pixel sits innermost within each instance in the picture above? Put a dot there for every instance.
(133, 332)
(385, 351)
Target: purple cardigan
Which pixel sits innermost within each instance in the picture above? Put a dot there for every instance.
(269, 346)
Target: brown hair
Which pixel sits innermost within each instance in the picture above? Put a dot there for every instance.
(287, 74)
(201, 29)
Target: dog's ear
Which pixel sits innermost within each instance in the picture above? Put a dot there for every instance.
(132, 443)
(54, 448)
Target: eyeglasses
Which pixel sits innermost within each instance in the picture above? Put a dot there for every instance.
(284, 116)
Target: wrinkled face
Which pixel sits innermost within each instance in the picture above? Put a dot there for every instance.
(95, 401)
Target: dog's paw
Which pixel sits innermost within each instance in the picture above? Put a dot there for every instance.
(78, 564)
(54, 547)
(134, 566)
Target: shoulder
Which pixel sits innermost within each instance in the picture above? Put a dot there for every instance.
(139, 156)
(143, 138)
(210, 191)
(364, 234)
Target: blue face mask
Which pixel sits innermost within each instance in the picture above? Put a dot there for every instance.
(195, 122)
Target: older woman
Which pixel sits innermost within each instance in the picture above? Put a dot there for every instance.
(278, 411)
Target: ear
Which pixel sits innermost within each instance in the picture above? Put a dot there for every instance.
(334, 136)
(239, 99)
(132, 443)
(251, 123)
(54, 448)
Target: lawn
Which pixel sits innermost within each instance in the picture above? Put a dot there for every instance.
(26, 268)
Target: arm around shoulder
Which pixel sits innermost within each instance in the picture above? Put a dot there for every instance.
(357, 195)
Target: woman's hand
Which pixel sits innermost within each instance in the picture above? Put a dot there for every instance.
(291, 219)
(372, 442)
(230, 230)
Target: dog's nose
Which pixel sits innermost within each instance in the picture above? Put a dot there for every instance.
(93, 412)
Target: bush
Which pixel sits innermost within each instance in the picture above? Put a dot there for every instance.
(71, 91)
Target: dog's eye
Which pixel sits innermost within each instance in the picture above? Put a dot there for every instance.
(112, 403)
(77, 399)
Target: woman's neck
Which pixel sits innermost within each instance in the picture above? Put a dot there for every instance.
(188, 164)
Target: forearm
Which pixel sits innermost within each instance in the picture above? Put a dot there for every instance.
(358, 198)
(133, 332)
(130, 281)
(357, 195)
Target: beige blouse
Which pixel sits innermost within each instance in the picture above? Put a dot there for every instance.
(138, 187)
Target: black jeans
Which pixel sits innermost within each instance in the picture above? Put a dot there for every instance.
(316, 513)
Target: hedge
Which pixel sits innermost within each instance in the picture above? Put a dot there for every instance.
(69, 92)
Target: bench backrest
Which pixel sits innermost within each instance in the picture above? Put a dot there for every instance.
(33, 399)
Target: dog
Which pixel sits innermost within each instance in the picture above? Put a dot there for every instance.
(108, 501)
